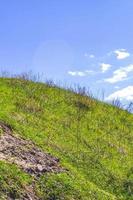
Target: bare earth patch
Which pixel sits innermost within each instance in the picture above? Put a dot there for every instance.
(25, 154)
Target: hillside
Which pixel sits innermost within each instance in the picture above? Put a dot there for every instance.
(85, 147)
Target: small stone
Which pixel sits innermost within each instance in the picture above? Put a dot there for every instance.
(40, 168)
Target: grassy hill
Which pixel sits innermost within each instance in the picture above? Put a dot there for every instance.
(93, 141)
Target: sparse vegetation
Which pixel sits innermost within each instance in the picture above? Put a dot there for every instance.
(92, 139)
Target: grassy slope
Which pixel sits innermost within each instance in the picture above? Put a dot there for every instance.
(93, 140)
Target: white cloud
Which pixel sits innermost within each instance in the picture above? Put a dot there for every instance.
(104, 67)
(117, 87)
(120, 74)
(76, 73)
(121, 54)
(89, 55)
(80, 73)
(123, 94)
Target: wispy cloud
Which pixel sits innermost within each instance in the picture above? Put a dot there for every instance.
(123, 94)
(104, 67)
(80, 73)
(121, 54)
(120, 74)
(89, 55)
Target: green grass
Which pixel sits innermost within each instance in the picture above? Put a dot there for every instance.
(93, 140)
(12, 181)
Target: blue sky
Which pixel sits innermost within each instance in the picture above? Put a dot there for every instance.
(85, 42)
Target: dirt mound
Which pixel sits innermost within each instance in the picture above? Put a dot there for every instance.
(25, 154)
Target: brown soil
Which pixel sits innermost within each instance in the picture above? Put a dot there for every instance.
(25, 154)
